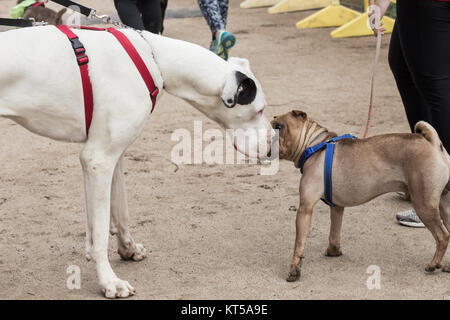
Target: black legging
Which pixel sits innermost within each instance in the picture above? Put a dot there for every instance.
(152, 14)
(419, 57)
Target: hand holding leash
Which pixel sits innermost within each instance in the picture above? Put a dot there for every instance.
(376, 13)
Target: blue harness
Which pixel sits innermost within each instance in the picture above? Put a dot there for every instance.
(329, 145)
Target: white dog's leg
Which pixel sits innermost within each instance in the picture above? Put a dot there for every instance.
(127, 248)
(98, 167)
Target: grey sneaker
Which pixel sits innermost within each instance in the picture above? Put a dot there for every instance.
(409, 218)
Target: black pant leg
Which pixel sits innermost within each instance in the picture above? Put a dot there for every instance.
(129, 13)
(152, 15)
(413, 102)
(164, 4)
(424, 29)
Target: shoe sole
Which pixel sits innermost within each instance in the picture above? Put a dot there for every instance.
(411, 224)
(227, 42)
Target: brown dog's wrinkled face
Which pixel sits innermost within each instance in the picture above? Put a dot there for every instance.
(289, 127)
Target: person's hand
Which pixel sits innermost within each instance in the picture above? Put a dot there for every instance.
(381, 29)
(379, 9)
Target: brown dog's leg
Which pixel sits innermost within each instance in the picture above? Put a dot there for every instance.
(303, 223)
(444, 208)
(426, 193)
(432, 220)
(334, 248)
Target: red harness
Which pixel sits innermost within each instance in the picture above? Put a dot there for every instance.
(82, 58)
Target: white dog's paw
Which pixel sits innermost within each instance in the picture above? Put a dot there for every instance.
(118, 289)
(113, 230)
(140, 252)
(136, 253)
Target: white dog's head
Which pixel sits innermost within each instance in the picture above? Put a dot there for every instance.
(225, 91)
(241, 109)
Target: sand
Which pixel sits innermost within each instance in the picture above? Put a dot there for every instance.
(219, 231)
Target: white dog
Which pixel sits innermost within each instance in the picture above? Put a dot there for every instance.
(40, 88)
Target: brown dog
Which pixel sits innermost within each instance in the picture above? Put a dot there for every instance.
(42, 14)
(364, 169)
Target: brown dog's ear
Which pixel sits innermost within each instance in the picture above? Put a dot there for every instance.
(298, 113)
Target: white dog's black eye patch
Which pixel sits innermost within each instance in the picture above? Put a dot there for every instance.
(239, 89)
(246, 91)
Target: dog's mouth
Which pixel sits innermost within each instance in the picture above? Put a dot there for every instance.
(259, 148)
(274, 151)
(257, 154)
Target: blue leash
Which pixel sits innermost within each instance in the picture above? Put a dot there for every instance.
(329, 153)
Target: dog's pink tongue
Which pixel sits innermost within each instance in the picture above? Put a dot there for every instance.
(239, 150)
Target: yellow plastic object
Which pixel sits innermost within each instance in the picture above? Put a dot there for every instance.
(247, 4)
(332, 16)
(298, 5)
(360, 27)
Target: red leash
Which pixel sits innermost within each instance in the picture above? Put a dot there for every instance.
(372, 79)
(83, 60)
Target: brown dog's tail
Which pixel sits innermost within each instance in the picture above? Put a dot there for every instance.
(428, 132)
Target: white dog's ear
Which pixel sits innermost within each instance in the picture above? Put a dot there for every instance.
(238, 89)
(241, 63)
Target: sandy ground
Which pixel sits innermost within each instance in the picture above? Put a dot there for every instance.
(219, 232)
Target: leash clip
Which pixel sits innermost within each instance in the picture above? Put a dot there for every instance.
(37, 23)
(104, 17)
(107, 19)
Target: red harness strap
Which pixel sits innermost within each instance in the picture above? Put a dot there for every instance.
(38, 4)
(139, 63)
(83, 60)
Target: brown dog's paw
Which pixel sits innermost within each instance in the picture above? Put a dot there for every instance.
(430, 268)
(333, 251)
(446, 268)
(294, 274)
